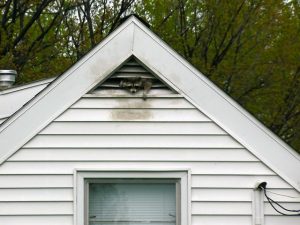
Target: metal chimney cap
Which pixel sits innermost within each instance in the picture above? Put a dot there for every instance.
(8, 72)
(7, 78)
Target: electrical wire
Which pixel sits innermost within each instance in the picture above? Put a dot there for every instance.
(272, 202)
(288, 196)
(289, 210)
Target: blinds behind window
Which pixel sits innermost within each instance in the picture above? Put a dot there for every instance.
(132, 203)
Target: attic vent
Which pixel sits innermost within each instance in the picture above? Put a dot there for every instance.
(133, 78)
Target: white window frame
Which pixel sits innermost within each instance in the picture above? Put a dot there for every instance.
(181, 178)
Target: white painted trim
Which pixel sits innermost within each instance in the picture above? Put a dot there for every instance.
(26, 86)
(219, 107)
(130, 39)
(65, 90)
(12, 99)
(184, 175)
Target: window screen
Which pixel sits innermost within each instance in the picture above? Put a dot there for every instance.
(132, 203)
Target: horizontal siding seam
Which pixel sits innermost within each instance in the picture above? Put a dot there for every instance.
(124, 160)
(37, 201)
(138, 134)
(200, 148)
(38, 214)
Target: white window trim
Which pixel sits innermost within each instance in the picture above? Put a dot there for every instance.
(182, 175)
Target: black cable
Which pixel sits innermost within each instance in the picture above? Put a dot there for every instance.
(271, 201)
(293, 197)
(289, 210)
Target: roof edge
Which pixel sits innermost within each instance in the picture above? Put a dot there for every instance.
(238, 125)
(26, 86)
(36, 114)
(220, 92)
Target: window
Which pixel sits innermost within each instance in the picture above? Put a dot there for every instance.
(131, 201)
(131, 197)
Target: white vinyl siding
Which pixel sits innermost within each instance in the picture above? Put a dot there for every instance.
(36, 183)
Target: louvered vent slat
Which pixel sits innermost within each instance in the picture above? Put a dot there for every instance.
(132, 69)
(132, 77)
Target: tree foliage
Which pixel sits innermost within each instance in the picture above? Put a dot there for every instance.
(249, 48)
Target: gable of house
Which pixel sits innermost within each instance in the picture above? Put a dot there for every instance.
(113, 129)
(84, 120)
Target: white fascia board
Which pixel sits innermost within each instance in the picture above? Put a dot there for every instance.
(67, 89)
(27, 86)
(14, 98)
(207, 97)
